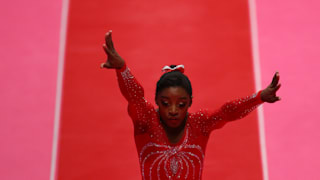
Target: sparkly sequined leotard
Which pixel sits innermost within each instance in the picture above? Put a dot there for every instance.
(159, 159)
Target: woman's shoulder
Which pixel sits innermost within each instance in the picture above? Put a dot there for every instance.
(201, 113)
(199, 116)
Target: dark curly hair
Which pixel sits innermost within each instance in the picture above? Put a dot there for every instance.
(174, 79)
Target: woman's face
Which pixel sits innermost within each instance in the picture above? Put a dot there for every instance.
(173, 103)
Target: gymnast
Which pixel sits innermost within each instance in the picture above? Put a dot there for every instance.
(170, 141)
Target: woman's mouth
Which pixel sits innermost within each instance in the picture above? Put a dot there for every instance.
(174, 120)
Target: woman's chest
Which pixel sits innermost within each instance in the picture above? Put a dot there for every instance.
(159, 158)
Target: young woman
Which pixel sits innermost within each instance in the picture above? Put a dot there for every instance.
(170, 141)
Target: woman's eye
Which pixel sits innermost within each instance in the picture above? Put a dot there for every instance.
(165, 103)
(182, 105)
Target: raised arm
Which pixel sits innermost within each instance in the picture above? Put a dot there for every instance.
(129, 86)
(241, 107)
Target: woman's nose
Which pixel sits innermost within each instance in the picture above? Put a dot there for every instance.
(173, 111)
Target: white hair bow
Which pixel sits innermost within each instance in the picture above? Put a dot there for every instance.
(170, 69)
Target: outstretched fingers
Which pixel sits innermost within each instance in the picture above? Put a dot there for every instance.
(103, 65)
(109, 42)
(275, 80)
(106, 65)
(106, 49)
(107, 36)
(277, 87)
(276, 98)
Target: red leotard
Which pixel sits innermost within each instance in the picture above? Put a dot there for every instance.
(159, 159)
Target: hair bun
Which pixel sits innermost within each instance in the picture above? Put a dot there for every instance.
(172, 68)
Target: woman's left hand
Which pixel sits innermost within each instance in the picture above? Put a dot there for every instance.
(269, 93)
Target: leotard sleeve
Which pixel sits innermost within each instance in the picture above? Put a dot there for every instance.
(138, 107)
(230, 111)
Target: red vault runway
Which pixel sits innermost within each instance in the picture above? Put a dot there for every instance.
(212, 40)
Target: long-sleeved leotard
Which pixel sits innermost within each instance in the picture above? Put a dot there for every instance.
(159, 159)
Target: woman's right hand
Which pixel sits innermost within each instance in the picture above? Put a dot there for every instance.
(114, 61)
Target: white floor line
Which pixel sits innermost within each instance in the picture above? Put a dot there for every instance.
(63, 33)
(257, 75)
